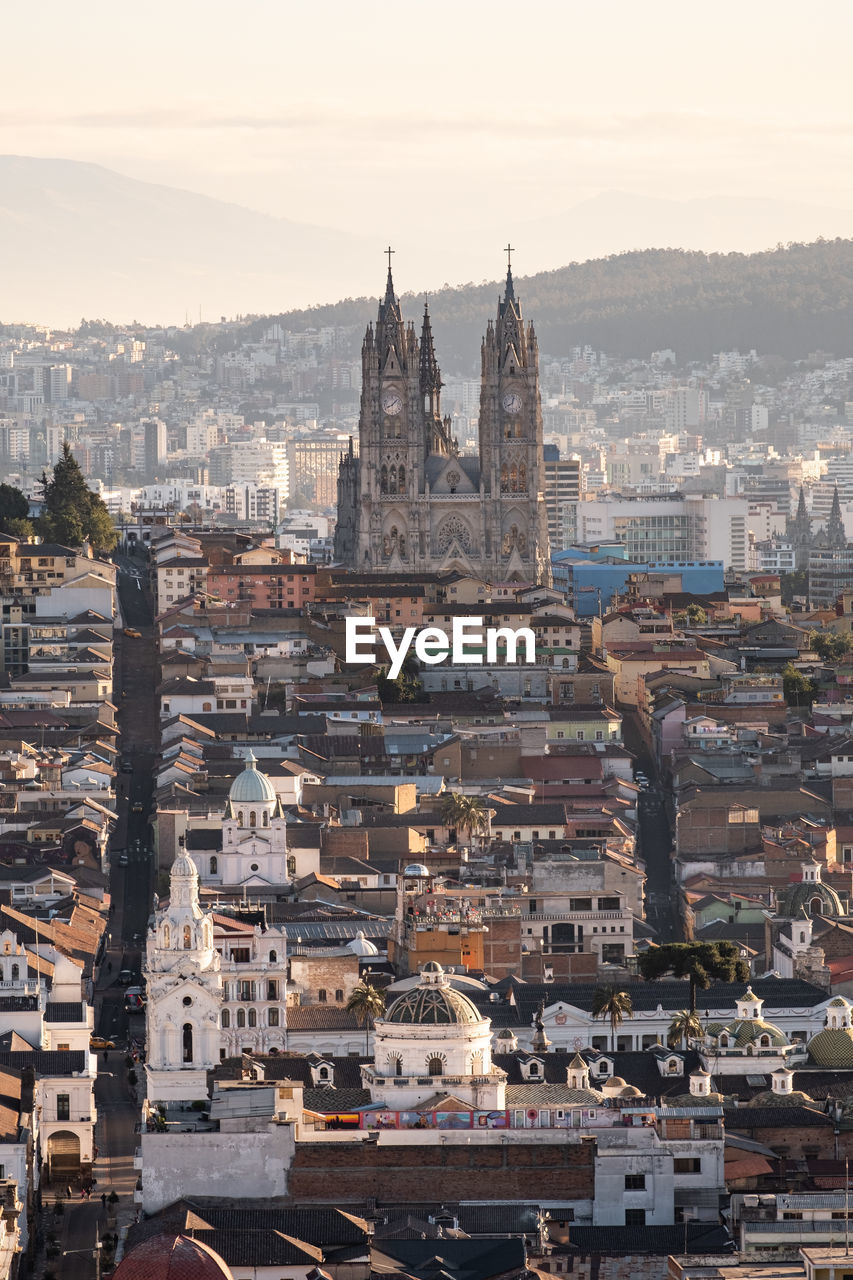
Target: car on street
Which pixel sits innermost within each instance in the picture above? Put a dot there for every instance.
(99, 1042)
(123, 860)
(132, 633)
(125, 977)
(137, 806)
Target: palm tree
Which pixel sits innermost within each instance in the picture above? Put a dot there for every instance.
(367, 1003)
(685, 1026)
(465, 813)
(614, 1006)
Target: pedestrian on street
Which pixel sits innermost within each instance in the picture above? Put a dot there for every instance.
(104, 1199)
(68, 1191)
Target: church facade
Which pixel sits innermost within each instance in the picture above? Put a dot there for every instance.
(410, 501)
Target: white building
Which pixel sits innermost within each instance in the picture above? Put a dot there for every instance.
(670, 527)
(215, 987)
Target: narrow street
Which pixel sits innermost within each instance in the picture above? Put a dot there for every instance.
(84, 1222)
(655, 840)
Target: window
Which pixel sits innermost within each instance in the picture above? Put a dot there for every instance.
(635, 1182)
(253, 819)
(635, 1217)
(188, 938)
(253, 1018)
(272, 989)
(339, 996)
(272, 1017)
(214, 865)
(273, 957)
(63, 1106)
(241, 1017)
(321, 995)
(435, 1066)
(226, 1019)
(167, 936)
(188, 1042)
(687, 1164)
(533, 1069)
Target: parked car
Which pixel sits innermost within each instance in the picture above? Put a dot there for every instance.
(99, 1042)
(125, 977)
(132, 633)
(137, 806)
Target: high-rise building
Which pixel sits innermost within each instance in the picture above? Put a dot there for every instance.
(154, 432)
(411, 500)
(562, 494)
(314, 463)
(670, 527)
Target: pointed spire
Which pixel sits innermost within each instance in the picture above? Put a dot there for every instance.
(509, 295)
(802, 514)
(835, 524)
(429, 370)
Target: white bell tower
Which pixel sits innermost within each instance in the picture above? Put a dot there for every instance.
(184, 993)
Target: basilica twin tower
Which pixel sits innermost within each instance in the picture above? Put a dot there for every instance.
(411, 501)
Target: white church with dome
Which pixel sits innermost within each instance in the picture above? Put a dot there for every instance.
(433, 1040)
(216, 988)
(254, 852)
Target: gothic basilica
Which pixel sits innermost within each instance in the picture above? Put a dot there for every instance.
(411, 501)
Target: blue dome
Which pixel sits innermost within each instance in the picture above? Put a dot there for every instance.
(251, 786)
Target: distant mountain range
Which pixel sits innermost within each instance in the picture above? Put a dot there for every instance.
(81, 240)
(786, 302)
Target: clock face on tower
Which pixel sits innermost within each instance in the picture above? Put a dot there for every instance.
(392, 403)
(511, 402)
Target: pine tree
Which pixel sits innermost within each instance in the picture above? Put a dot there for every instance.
(72, 512)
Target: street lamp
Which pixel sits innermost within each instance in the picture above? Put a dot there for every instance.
(95, 1250)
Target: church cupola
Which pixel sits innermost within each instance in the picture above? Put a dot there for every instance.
(252, 798)
(749, 1006)
(577, 1076)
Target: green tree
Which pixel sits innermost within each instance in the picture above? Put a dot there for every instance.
(406, 687)
(694, 616)
(14, 512)
(829, 645)
(465, 813)
(367, 1003)
(613, 1006)
(684, 1026)
(72, 512)
(701, 962)
(799, 690)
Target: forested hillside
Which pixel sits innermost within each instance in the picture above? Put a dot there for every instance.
(787, 301)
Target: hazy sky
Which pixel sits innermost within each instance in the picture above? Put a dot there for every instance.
(450, 118)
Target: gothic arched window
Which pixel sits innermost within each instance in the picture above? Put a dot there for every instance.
(401, 480)
(513, 478)
(15, 972)
(383, 480)
(214, 865)
(240, 818)
(226, 1019)
(241, 1017)
(253, 1018)
(504, 479)
(167, 936)
(518, 428)
(253, 819)
(188, 1042)
(392, 479)
(266, 819)
(188, 938)
(522, 477)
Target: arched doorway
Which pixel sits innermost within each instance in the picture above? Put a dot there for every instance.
(63, 1154)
